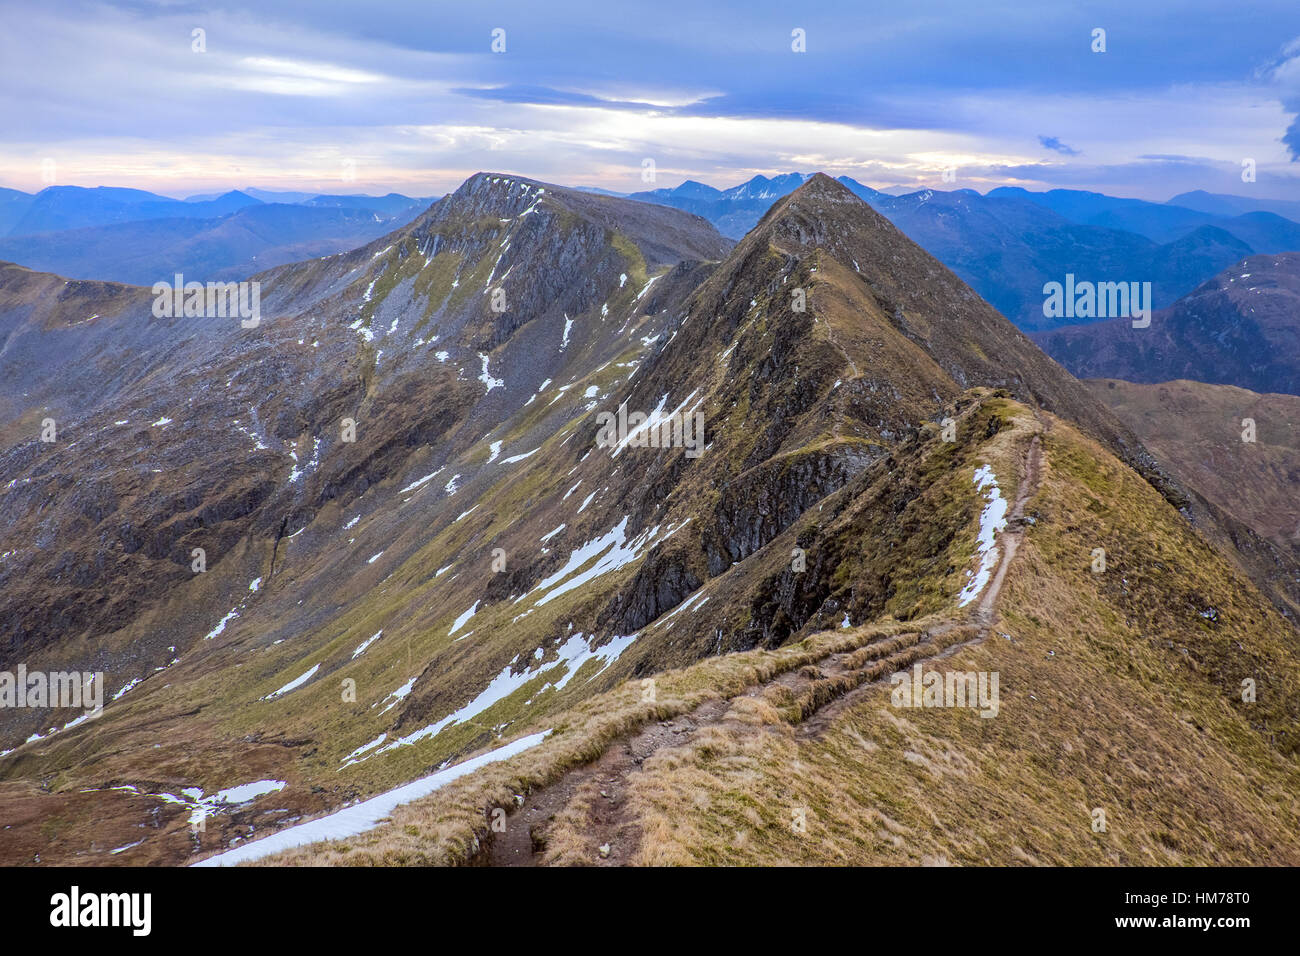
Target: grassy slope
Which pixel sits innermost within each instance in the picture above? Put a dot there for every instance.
(1116, 693)
(1196, 428)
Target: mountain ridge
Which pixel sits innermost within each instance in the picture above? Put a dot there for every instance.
(477, 561)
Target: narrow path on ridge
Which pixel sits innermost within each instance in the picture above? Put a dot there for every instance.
(821, 691)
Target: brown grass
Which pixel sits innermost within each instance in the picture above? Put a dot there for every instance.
(1095, 713)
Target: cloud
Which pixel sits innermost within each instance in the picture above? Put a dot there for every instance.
(1291, 138)
(1052, 143)
(530, 95)
(1284, 75)
(412, 97)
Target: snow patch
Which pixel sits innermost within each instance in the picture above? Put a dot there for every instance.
(992, 520)
(361, 648)
(294, 684)
(366, 815)
(487, 379)
(460, 621)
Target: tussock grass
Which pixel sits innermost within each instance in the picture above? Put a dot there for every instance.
(1110, 699)
(450, 824)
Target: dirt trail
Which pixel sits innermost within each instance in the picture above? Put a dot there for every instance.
(603, 782)
(815, 695)
(1009, 540)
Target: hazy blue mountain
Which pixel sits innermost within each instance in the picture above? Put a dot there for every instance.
(1221, 204)
(600, 192)
(1241, 327)
(1180, 266)
(13, 204)
(736, 210)
(393, 204)
(232, 247)
(265, 195)
(73, 207)
(760, 187)
(1006, 249)
(693, 190)
(129, 235)
(1160, 222)
(688, 191)
(1264, 231)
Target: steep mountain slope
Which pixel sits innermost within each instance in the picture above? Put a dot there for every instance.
(1196, 429)
(1240, 328)
(243, 439)
(1108, 683)
(194, 433)
(481, 561)
(971, 343)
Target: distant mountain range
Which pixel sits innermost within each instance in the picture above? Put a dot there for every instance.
(1241, 328)
(74, 207)
(1221, 204)
(133, 236)
(231, 247)
(1009, 243)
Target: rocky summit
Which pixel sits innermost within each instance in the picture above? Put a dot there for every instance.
(555, 527)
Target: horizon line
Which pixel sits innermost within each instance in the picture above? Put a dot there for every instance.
(217, 192)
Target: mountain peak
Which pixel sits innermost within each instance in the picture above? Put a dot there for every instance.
(822, 188)
(817, 180)
(761, 187)
(821, 212)
(499, 195)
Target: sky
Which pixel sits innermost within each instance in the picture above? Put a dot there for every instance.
(381, 96)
